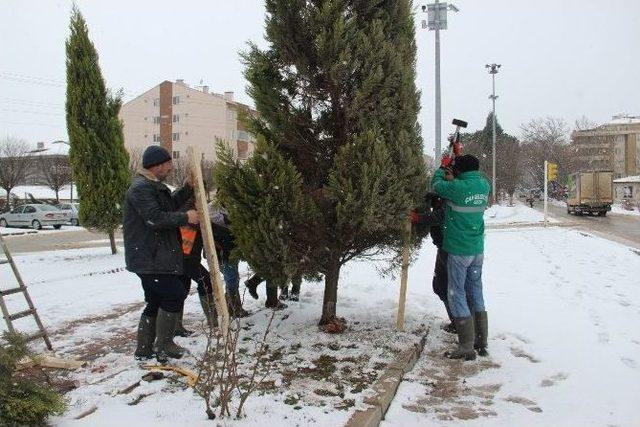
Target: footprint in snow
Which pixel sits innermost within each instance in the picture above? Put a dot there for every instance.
(529, 404)
(629, 362)
(554, 379)
(603, 338)
(518, 352)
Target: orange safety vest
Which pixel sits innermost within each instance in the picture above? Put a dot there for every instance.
(188, 238)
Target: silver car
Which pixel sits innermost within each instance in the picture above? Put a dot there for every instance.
(35, 216)
(72, 210)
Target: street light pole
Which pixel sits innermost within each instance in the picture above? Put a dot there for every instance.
(437, 20)
(493, 70)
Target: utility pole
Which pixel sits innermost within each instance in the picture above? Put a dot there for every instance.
(493, 70)
(437, 20)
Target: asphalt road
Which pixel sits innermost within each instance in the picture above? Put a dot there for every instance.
(619, 227)
(52, 241)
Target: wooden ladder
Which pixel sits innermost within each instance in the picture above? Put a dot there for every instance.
(9, 318)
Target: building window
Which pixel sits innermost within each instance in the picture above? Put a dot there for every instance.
(156, 102)
(176, 118)
(156, 120)
(176, 100)
(175, 136)
(156, 137)
(176, 154)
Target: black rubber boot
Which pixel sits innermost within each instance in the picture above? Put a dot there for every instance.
(482, 330)
(252, 285)
(146, 337)
(181, 331)
(296, 281)
(234, 302)
(272, 299)
(165, 328)
(466, 337)
(209, 309)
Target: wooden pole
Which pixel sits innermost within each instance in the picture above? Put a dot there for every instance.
(403, 278)
(207, 240)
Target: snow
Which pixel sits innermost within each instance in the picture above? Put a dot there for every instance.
(14, 231)
(564, 343)
(518, 214)
(618, 209)
(635, 178)
(40, 192)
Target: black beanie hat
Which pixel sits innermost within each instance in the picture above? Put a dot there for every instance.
(154, 155)
(466, 163)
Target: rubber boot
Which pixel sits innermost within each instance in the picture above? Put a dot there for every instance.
(466, 337)
(234, 303)
(296, 281)
(165, 328)
(451, 326)
(181, 331)
(209, 309)
(252, 285)
(146, 336)
(272, 299)
(482, 329)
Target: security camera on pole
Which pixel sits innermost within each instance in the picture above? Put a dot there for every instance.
(436, 21)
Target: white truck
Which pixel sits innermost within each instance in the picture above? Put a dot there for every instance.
(590, 193)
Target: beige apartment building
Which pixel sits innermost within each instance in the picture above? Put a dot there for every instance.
(176, 116)
(612, 146)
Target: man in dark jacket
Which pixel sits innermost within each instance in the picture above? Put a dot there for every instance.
(435, 220)
(153, 251)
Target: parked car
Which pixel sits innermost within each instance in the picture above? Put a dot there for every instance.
(35, 216)
(72, 210)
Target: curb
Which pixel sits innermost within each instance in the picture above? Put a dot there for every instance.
(386, 387)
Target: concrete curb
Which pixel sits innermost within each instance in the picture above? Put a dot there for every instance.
(386, 387)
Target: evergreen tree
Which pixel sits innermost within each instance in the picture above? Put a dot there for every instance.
(98, 156)
(508, 154)
(337, 102)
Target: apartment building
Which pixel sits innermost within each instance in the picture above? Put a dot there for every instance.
(176, 116)
(612, 146)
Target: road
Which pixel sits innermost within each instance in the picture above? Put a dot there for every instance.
(619, 227)
(52, 241)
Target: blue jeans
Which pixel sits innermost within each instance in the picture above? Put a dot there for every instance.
(464, 274)
(231, 275)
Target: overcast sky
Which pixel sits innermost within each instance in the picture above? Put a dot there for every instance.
(560, 58)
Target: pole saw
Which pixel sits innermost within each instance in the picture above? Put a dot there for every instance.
(455, 145)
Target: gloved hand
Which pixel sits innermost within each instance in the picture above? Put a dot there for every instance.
(415, 217)
(446, 161)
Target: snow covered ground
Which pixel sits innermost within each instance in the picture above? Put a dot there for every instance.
(7, 231)
(565, 347)
(517, 214)
(618, 209)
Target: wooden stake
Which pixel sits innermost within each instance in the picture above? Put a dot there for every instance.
(207, 240)
(403, 278)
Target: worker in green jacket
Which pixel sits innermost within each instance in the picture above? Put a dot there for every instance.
(466, 192)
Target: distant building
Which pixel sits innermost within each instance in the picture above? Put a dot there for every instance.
(612, 146)
(54, 153)
(627, 188)
(176, 116)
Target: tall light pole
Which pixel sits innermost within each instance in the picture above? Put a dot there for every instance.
(436, 21)
(493, 70)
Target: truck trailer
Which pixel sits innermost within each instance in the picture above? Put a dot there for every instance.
(590, 192)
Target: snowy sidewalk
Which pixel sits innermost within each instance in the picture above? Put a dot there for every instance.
(564, 342)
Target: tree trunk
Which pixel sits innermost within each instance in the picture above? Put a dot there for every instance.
(57, 197)
(112, 240)
(330, 293)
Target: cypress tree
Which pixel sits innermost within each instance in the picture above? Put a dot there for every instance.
(97, 153)
(337, 102)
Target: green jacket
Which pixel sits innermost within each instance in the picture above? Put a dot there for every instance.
(466, 196)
